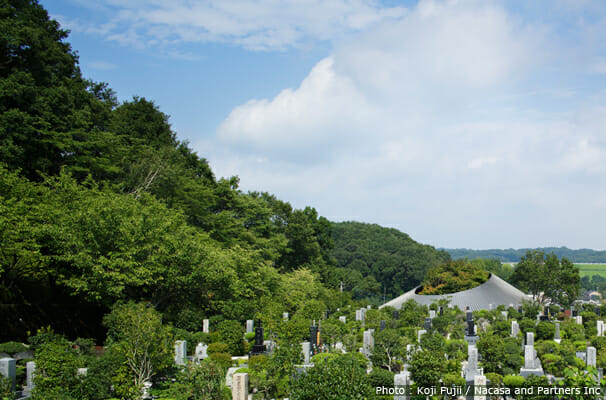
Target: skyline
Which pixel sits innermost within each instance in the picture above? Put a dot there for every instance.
(465, 124)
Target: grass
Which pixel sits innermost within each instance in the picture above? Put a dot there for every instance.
(592, 269)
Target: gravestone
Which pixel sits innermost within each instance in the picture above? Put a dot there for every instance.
(532, 365)
(306, 351)
(556, 336)
(441, 310)
(575, 313)
(229, 376)
(30, 368)
(239, 389)
(598, 311)
(8, 369)
(368, 342)
(504, 315)
(82, 372)
(339, 347)
(490, 307)
(343, 319)
(383, 325)
(479, 380)
(530, 339)
(313, 336)
(368, 307)
(395, 314)
(427, 324)
(285, 316)
(471, 369)
(591, 356)
(421, 333)
(600, 326)
(250, 326)
(401, 382)
(201, 352)
(206, 326)
(180, 352)
(520, 309)
(258, 347)
(432, 314)
(546, 311)
(579, 320)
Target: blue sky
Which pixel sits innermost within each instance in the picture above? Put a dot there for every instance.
(470, 123)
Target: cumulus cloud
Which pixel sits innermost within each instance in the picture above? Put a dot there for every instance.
(426, 123)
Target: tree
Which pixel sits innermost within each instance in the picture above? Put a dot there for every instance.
(546, 277)
(135, 331)
(389, 347)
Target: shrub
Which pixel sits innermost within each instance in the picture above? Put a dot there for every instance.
(513, 381)
(380, 377)
(12, 347)
(545, 330)
(495, 379)
(217, 348)
(221, 359)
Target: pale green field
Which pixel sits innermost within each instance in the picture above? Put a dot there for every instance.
(592, 269)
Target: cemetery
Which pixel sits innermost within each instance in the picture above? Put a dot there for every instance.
(516, 350)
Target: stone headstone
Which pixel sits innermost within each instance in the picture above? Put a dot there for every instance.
(8, 369)
(285, 316)
(383, 325)
(401, 382)
(395, 314)
(239, 389)
(504, 315)
(343, 319)
(432, 314)
(600, 326)
(250, 326)
(201, 352)
(490, 307)
(529, 357)
(229, 376)
(82, 372)
(471, 368)
(468, 316)
(180, 352)
(306, 351)
(591, 356)
(441, 310)
(530, 338)
(30, 368)
(369, 307)
(368, 342)
(259, 346)
(427, 325)
(313, 336)
(515, 328)
(598, 311)
(421, 333)
(520, 309)
(556, 336)
(575, 313)
(206, 326)
(471, 330)
(479, 380)
(579, 320)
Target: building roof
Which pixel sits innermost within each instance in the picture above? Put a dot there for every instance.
(494, 291)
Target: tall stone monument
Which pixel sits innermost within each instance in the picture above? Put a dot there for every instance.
(180, 352)
(239, 389)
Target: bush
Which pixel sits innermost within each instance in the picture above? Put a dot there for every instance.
(495, 379)
(527, 325)
(223, 360)
(513, 381)
(380, 377)
(232, 333)
(12, 347)
(217, 348)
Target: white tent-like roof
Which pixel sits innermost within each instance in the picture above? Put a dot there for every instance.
(494, 291)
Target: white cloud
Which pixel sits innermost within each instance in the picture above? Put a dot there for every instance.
(419, 123)
(257, 25)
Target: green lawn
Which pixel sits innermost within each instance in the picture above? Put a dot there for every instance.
(592, 269)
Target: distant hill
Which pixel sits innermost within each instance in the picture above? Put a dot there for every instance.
(514, 255)
(373, 260)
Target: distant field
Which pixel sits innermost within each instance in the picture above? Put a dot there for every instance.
(592, 269)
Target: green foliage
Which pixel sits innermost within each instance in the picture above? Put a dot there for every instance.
(380, 377)
(56, 366)
(223, 360)
(340, 378)
(492, 348)
(135, 332)
(217, 347)
(545, 276)
(203, 381)
(426, 368)
(232, 333)
(453, 276)
(494, 266)
(389, 348)
(545, 330)
(371, 259)
(12, 347)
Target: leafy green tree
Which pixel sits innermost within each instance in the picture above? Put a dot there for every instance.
(232, 333)
(544, 276)
(426, 368)
(492, 348)
(57, 364)
(135, 331)
(389, 348)
(201, 381)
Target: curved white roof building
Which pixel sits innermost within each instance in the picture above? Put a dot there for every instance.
(494, 291)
